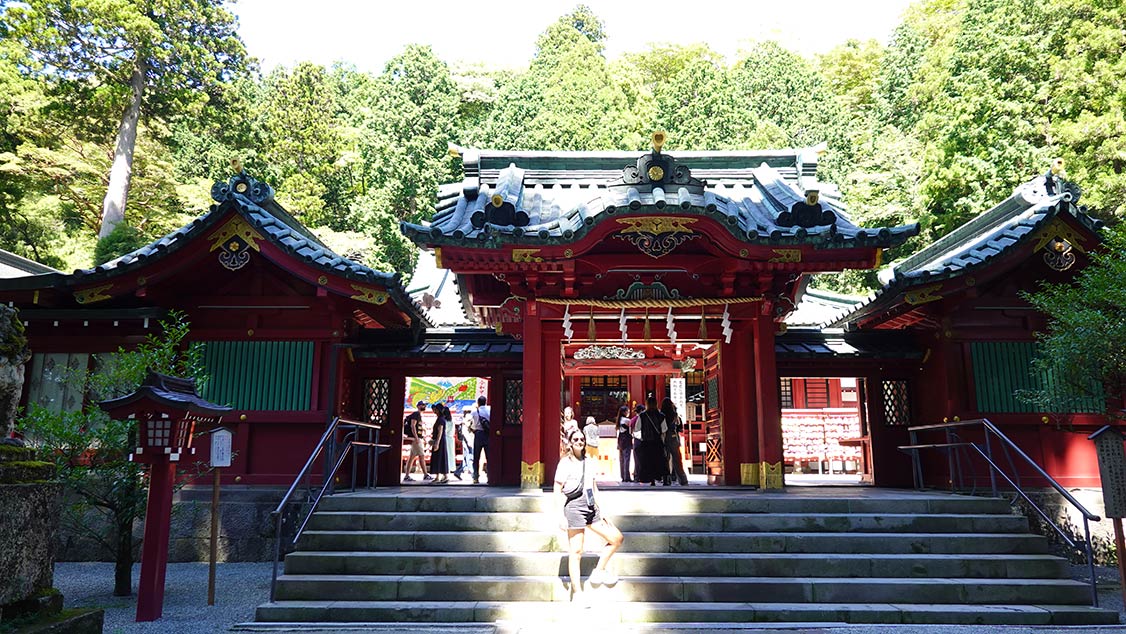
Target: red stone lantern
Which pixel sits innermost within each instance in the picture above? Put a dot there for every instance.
(166, 410)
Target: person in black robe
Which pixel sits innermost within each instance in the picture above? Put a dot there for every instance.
(651, 462)
(439, 463)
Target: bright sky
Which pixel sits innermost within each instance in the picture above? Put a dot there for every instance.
(502, 33)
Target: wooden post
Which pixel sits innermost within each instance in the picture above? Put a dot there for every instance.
(154, 551)
(214, 537)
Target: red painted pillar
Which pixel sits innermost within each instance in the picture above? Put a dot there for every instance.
(737, 405)
(551, 374)
(769, 415)
(389, 469)
(531, 456)
(154, 552)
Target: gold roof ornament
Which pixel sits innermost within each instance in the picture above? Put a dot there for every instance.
(658, 141)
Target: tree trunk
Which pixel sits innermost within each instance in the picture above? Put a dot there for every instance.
(123, 562)
(121, 174)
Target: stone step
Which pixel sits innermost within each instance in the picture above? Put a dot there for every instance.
(673, 564)
(701, 542)
(684, 588)
(530, 613)
(695, 522)
(673, 502)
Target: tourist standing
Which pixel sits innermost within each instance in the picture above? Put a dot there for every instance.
(463, 433)
(576, 496)
(625, 443)
(451, 444)
(439, 463)
(481, 417)
(651, 462)
(635, 431)
(413, 433)
(591, 432)
(674, 424)
(566, 426)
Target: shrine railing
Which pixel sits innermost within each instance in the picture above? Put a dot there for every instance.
(954, 442)
(327, 446)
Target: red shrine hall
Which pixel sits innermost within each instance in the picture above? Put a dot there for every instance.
(594, 280)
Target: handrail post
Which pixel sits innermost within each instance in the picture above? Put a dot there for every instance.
(916, 467)
(989, 454)
(950, 459)
(1090, 563)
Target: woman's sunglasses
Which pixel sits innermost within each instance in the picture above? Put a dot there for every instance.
(578, 441)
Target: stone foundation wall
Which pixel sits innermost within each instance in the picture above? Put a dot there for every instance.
(1068, 518)
(246, 527)
(30, 518)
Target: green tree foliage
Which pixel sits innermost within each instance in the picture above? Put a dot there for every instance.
(91, 451)
(1085, 345)
(567, 100)
(147, 59)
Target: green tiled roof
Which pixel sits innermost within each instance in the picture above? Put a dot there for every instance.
(556, 197)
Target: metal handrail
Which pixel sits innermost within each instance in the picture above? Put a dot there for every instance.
(954, 442)
(327, 441)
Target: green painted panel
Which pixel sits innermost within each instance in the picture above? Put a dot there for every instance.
(259, 375)
(1002, 369)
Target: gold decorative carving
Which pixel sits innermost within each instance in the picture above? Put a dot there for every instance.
(923, 295)
(749, 474)
(568, 253)
(786, 255)
(657, 236)
(657, 224)
(656, 173)
(770, 476)
(531, 475)
(1057, 229)
(369, 295)
(526, 255)
(236, 227)
(142, 280)
(91, 295)
(744, 253)
(322, 280)
(438, 258)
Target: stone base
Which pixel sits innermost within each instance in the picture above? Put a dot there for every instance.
(30, 520)
(79, 621)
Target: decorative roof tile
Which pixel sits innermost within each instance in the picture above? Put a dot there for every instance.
(978, 242)
(541, 198)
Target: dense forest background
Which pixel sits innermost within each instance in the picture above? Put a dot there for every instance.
(968, 99)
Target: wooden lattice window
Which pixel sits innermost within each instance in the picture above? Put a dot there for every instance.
(377, 401)
(786, 393)
(897, 407)
(514, 402)
(713, 393)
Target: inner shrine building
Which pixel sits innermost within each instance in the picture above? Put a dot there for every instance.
(594, 280)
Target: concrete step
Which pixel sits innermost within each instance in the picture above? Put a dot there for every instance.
(532, 612)
(673, 564)
(688, 542)
(695, 522)
(684, 588)
(674, 502)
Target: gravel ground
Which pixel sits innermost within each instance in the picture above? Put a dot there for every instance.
(241, 587)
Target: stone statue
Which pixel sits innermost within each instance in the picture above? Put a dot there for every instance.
(14, 353)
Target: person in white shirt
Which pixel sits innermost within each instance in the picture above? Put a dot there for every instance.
(591, 431)
(481, 426)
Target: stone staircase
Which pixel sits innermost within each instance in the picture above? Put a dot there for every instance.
(825, 556)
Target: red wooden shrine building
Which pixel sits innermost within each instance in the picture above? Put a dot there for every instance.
(592, 271)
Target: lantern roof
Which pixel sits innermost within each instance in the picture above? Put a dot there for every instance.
(547, 198)
(161, 391)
